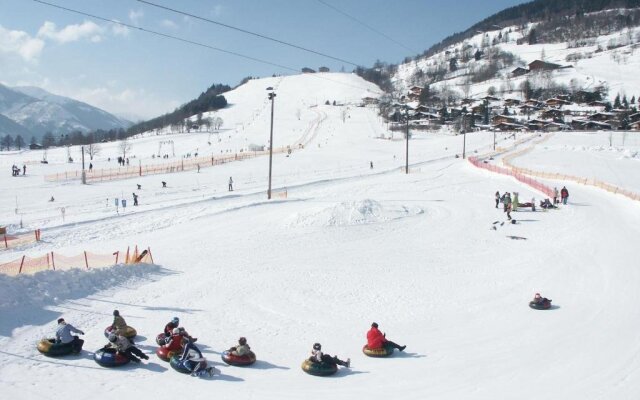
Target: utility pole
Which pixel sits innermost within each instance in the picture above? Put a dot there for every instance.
(84, 174)
(272, 97)
(406, 114)
(494, 140)
(464, 139)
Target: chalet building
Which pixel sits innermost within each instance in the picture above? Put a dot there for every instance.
(635, 126)
(415, 90)
(556, 102)
(528, 109)
(597, 104)
(519, 72)
(587, 125)
(634, 117)
(306, 70)
(490, 98)
(369, 101)
(503, 119)
(584, 96)
(323, 69)
(511, 102)
(536, 124)
(555, 127)
(534, 103)
(601, 116)
(35, 146)
(539, 65)
(552, 114)
(505, 126)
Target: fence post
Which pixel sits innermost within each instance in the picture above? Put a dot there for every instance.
(53, 261)
(150, 255)
(6, 244)
(126, 259)
(86, 261)
(117, 253)
(21, 264)
(48, 263)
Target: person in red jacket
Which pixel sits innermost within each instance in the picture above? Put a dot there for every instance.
(377, 339)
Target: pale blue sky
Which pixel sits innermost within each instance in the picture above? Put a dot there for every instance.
(133, 73)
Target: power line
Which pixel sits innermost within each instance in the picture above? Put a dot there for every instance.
(249, 32)
(183, 40)
(365, 25)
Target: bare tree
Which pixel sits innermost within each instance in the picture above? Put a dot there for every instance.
(93, 149)
(124, 147)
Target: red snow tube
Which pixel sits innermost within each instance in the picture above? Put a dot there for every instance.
(165, 354)
(239, 361)
(160, 339)
(129, 332)
(384, 351)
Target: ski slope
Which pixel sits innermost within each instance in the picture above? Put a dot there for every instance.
(349, 245)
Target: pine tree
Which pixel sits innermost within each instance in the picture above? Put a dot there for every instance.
(625, 103)
(19, 142)
(633, 100)
(616, 102)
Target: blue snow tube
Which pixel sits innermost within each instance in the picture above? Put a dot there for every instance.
(384, 351)
(109, 358)
(319, 369)
(180, 367)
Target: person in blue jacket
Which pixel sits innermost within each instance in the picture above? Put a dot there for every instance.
(193, 360)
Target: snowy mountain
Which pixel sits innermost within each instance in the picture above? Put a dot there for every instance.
(8, 127)
(39, 111)
(583, 51)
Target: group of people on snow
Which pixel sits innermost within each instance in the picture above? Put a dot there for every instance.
(177, 339)
(15, 170)
(511, 203)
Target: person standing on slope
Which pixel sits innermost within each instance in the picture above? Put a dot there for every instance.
(497, 198)
(378, 340)
(564, 194)
(231, 184)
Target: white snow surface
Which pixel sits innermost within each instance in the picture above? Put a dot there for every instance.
(347, 246)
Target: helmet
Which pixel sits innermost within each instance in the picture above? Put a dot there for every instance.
(175, 320)
(116, 313)
(176, 331)
(374, 325)
(113, 338)
(242, 341)
(317, 346)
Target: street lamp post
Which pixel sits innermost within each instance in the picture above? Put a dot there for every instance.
(464, 138)
(272, 97)
(406, 114)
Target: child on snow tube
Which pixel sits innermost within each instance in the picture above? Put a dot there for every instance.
(240, 355)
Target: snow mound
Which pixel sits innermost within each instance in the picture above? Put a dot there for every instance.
(354, 213)
(48, 287)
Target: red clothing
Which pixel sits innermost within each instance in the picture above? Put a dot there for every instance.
(564, 193)
(175, 343)
(375, 339)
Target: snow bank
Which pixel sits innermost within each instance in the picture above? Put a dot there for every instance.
(361, 212)
(48, 287)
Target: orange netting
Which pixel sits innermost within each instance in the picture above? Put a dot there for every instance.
(87, 260)
(9, 240)
(187, 164)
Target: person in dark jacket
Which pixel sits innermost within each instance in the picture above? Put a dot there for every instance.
(378, 340)
(497, 199)
(564, 194)
(317, 356)
(124, 347)
(193, 360)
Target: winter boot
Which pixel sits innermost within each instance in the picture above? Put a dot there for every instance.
(401, 348)
(348, 363)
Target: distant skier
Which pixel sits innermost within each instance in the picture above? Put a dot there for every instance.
(497, 198)
(24, 169)
(164, 184)
(564, 194)
(555, 195)
(230, 184)
(63, 335)
(318, 357)
(135, 199)
(378, 340)
(371, 164)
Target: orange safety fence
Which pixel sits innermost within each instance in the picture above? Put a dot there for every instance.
(559, 176)
(187, 164)
(521, 177)
(87, 260)
(9, 240)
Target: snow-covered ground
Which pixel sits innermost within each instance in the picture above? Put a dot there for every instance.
(349, 245)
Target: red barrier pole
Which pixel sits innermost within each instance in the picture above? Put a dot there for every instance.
(86, 261)
(6, 245)
(53, 261)
(117, 253)
(48, 264)
(150, 255)
(21, 264)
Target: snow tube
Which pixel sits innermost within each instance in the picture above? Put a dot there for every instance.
(129, 332)
(160, 339)
(318, 369)
(239, 361)
(165, 354)
(109, 358)
(50, 348)
(545, 305)
(178, 366)
(384, 351)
